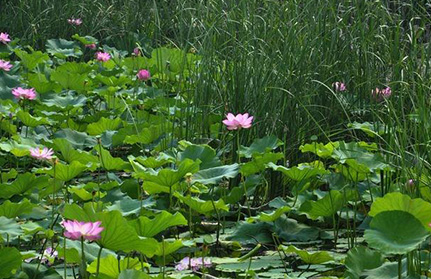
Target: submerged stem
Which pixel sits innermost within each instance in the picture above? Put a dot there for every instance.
(399, 266)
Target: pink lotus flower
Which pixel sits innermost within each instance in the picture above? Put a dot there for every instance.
(41, 153)
(339, 86)
(4, 38)
(82, 230)
(91, 46)
(5, 65)
(193, 263)
(103, 56)
(381, 94)
(237, 122)
(21, 93)
(73, 21)
(136, 51)
(143, 75)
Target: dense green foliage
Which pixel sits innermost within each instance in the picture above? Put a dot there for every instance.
(326, 183)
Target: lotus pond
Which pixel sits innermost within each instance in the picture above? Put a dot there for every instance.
(103, 175)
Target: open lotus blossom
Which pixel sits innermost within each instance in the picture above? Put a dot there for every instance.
(4, 38)
(74, 21)
(49, 254)
(235, 122)
(41, 153)
(136, 51)
(381, 94)
(91, 46)
(103, 56)
(193, 263)
(5, 65)
(339, 86)
(22, 93)
(82, 230)
(143, 75)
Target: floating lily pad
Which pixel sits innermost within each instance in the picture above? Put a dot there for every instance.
(257, 263)
(395, 232)
(63, 48)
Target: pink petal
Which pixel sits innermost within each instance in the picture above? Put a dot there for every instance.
(231, 128)
(227, 122)
(230, 116)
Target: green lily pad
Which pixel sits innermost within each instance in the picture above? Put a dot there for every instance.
(133, 274)
(70, 76)
(22, 184)
(165, 179)
(395, 232)
(216, 174)
(10, 259)
(19, 149)
(9, 228)
(63, 48)
(371, 129)
(71, 154)
(64, 102)
(269, 217)
(252, 232)
(154, 162)
(359, 259)
(302, 171)
(260, 162)
(260, 146)
(31, 60)
(308, 257)
(77, 139)
(30, 120)
(398, 201)
(65, 172)
(42, 85)
(73, 251)
(332, 202)
(290, 230)
(320, 149)
(7, 82)
(109, 266)
(85, 40)
(147, 135)
(79, 193)
(147, 227)
(36, 271)
(11, 210)
(108, 162)
(257, 263)
(204, 153)
(128, 206)
(170, 246)
(389, 270)
(201, 206)
(103, 125)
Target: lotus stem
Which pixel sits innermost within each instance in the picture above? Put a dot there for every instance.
(83, 268)
(98, 261)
